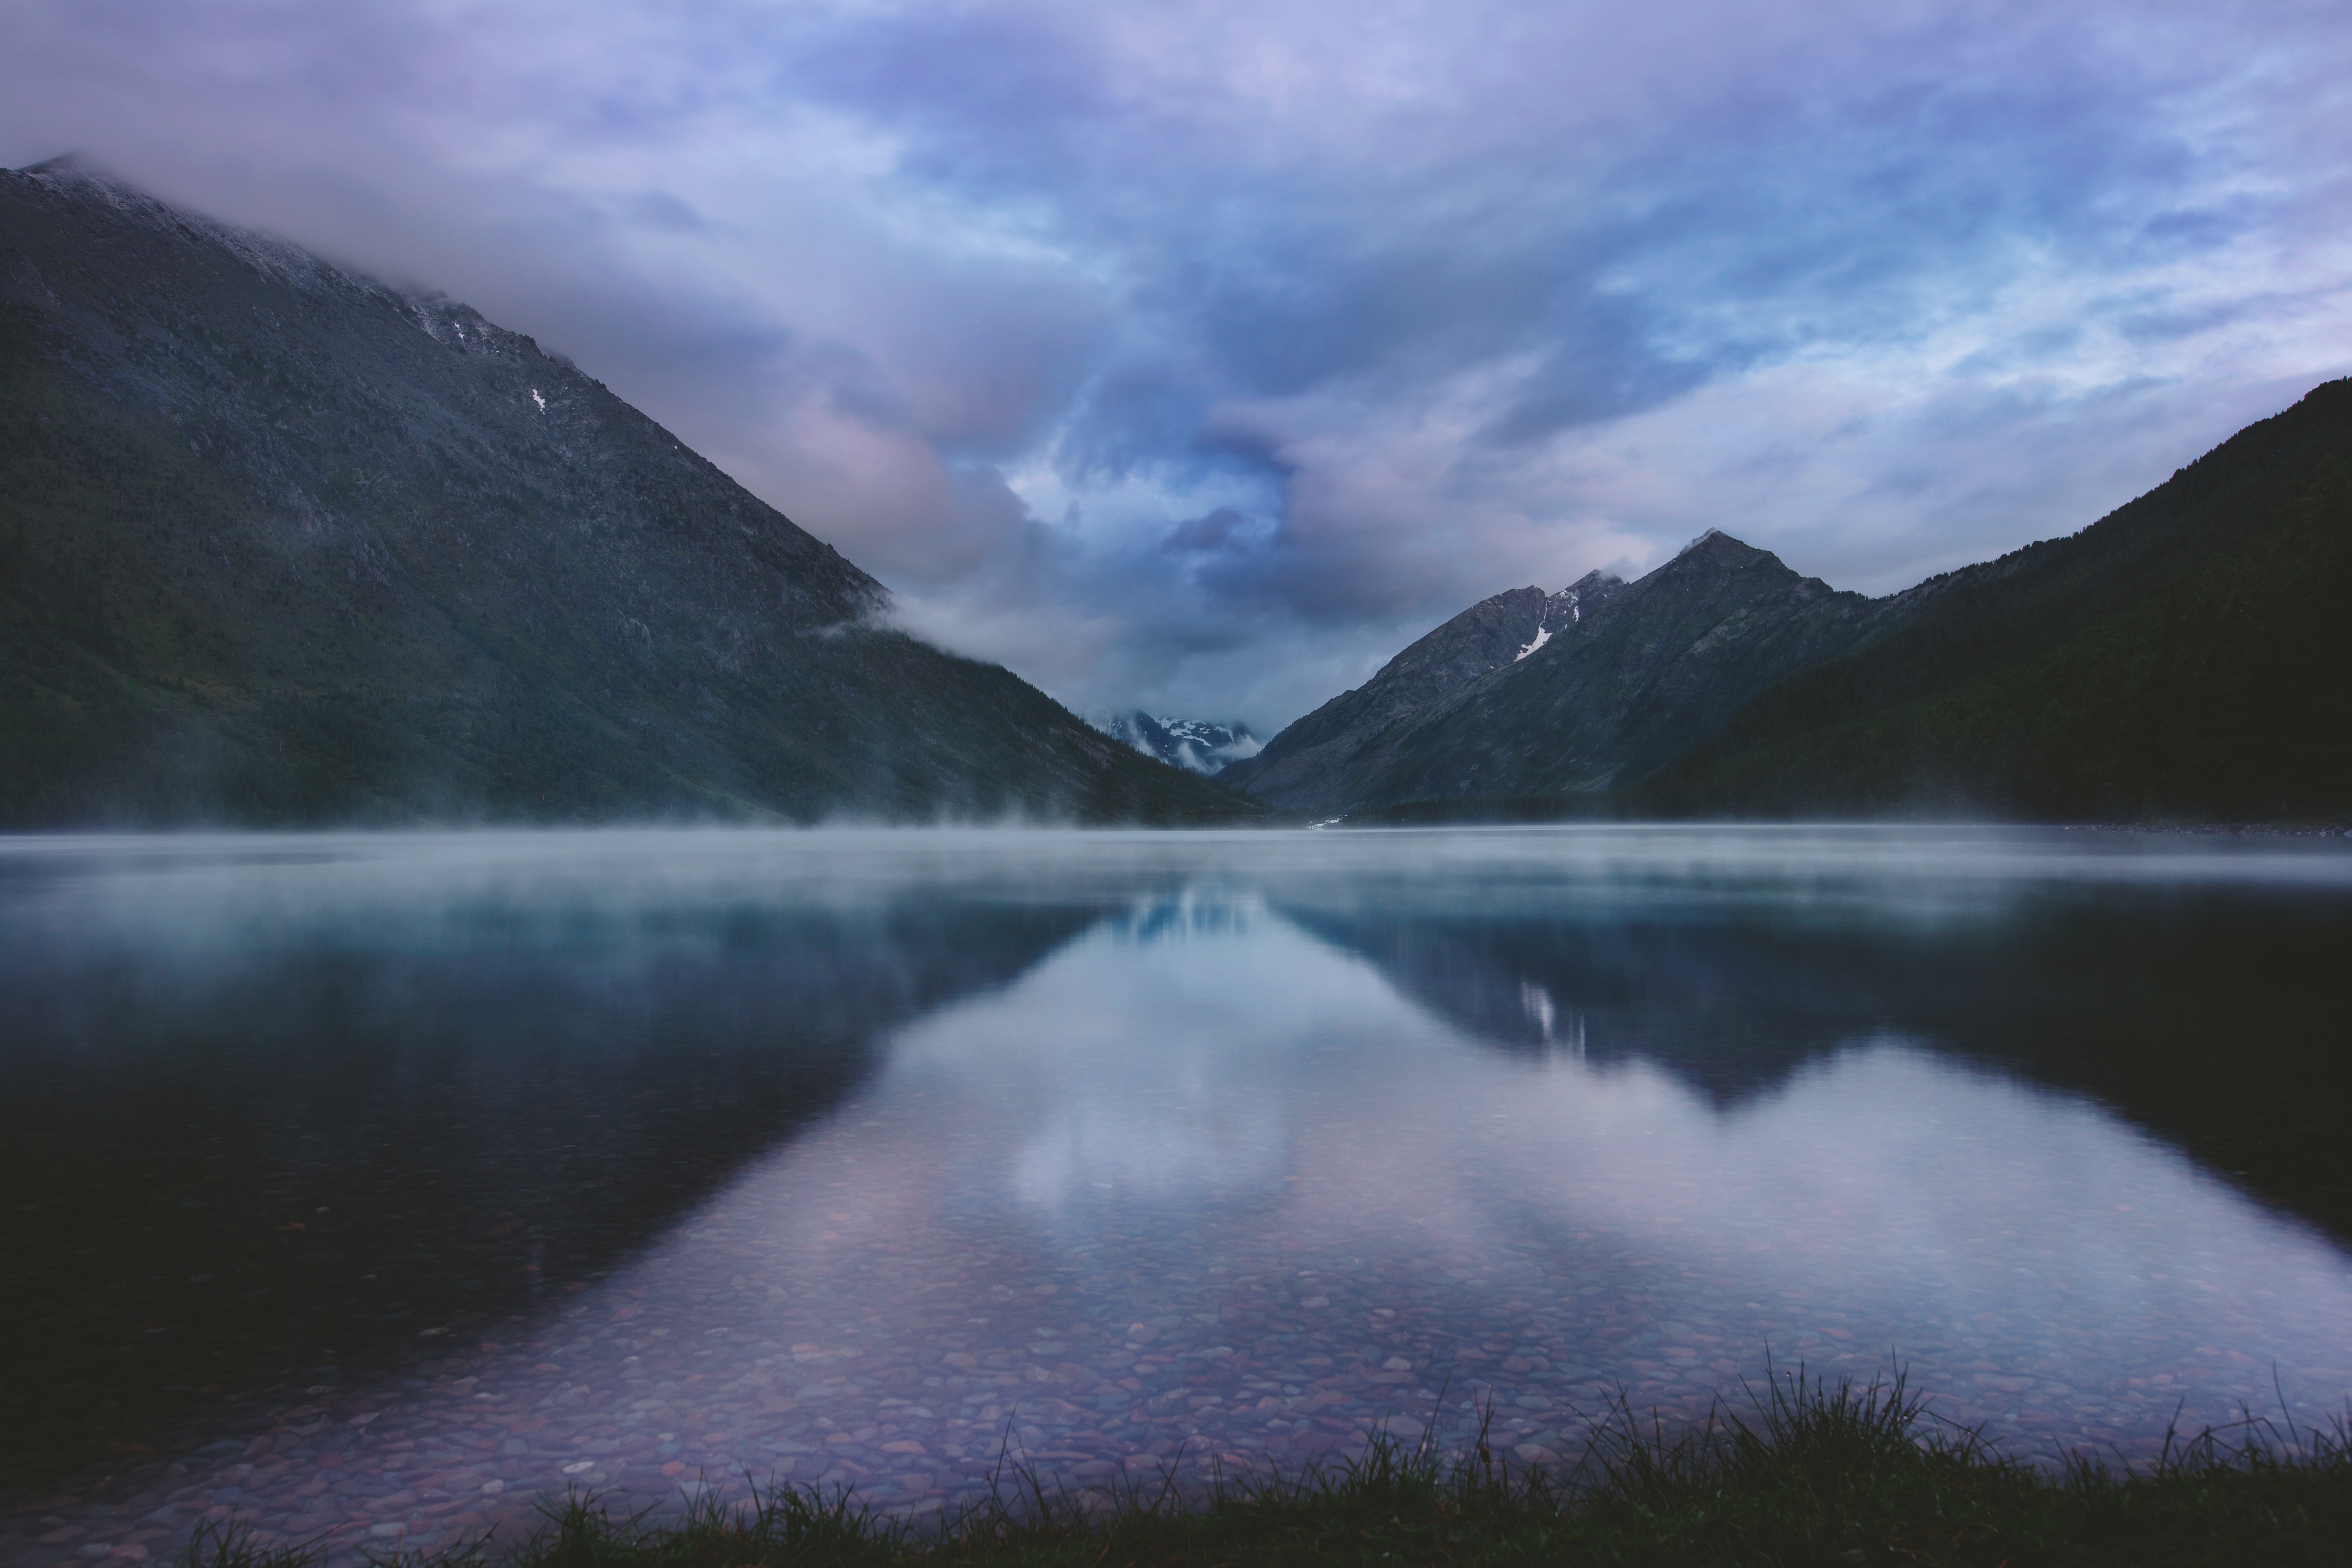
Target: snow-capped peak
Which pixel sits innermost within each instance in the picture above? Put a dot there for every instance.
(1195, 744)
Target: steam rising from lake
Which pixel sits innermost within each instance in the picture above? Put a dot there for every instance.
(204, 891)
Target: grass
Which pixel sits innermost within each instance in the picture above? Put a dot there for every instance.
(1810, 1474)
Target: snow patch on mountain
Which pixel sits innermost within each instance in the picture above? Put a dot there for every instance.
(1195, 745)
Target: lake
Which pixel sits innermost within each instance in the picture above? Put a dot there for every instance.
(368, 1188)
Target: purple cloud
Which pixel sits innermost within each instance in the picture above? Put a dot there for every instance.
(1199, 355)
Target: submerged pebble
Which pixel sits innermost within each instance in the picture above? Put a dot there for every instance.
(885, 1308)
(1208, 1194)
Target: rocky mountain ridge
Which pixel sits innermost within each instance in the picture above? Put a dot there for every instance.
(1573, 692)
(283, 545)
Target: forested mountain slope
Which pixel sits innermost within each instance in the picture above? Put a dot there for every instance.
(280, 544)
(2184, 657)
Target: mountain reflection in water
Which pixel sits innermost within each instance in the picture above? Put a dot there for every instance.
(862, 1159)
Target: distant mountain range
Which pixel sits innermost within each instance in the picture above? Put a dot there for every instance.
(2182, 658)
(1193, 744)
(278, 544)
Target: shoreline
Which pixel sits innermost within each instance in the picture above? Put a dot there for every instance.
(1809, 1472)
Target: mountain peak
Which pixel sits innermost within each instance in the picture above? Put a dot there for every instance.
(1716, 551)
(323, 566)
(1589, 592)
(1717, 545)
(1529, 694)
(75, 164)
(1196, 745)
(69, 171)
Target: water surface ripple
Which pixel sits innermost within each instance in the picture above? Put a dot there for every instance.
(654, 1162)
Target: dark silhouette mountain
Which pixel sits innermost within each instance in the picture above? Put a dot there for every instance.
(2183, 657)
(279, 543)
(1595, 686)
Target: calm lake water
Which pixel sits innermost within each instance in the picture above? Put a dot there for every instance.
(369, 1188)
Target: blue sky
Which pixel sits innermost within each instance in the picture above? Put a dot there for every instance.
(1200, 355)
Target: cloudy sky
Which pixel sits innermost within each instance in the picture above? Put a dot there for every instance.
(1199, 355)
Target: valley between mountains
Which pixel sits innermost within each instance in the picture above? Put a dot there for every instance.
(279, 544)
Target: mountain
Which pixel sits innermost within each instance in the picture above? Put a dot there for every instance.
(2184, 658)
(1572, 694)
(2181, 659)
(1193, 744)
(279, 543)
(1313, 763)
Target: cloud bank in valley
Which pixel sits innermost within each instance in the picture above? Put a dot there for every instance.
(1198, 355)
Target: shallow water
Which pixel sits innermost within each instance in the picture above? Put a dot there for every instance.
(370, 1188)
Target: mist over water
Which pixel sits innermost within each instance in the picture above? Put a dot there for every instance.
(367, 1187)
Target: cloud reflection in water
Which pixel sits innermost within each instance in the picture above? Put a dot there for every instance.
(1299, 1131)
(1224, 1170)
